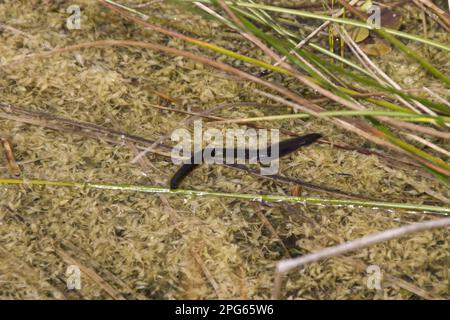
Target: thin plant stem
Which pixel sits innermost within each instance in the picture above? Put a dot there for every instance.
(243, 196)
(289, 264)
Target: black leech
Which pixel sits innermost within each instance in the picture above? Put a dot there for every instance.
(284, 147)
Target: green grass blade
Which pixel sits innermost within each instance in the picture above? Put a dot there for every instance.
(242, 196)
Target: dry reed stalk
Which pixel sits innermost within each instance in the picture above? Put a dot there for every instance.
(9, 154)
(287, 265)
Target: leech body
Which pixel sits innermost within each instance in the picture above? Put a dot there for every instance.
(284, 147)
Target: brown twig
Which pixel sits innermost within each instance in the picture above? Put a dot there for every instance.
(9, 154)
(443, 15)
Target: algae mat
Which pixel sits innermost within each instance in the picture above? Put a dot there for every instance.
(132, 245)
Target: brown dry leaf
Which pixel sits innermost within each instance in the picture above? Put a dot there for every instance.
(378, 48)
(358, 34)
(390, 19)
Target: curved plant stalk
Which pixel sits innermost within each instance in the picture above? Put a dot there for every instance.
(253, 61)
(380, 102)
(344, 21)
(363, 129)
(412, 149)
(110, 4)
(342, 91)
(426, 159)
(365, 78)
(290, 36)
(242, 196)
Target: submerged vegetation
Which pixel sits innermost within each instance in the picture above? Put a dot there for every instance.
(86, 115)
